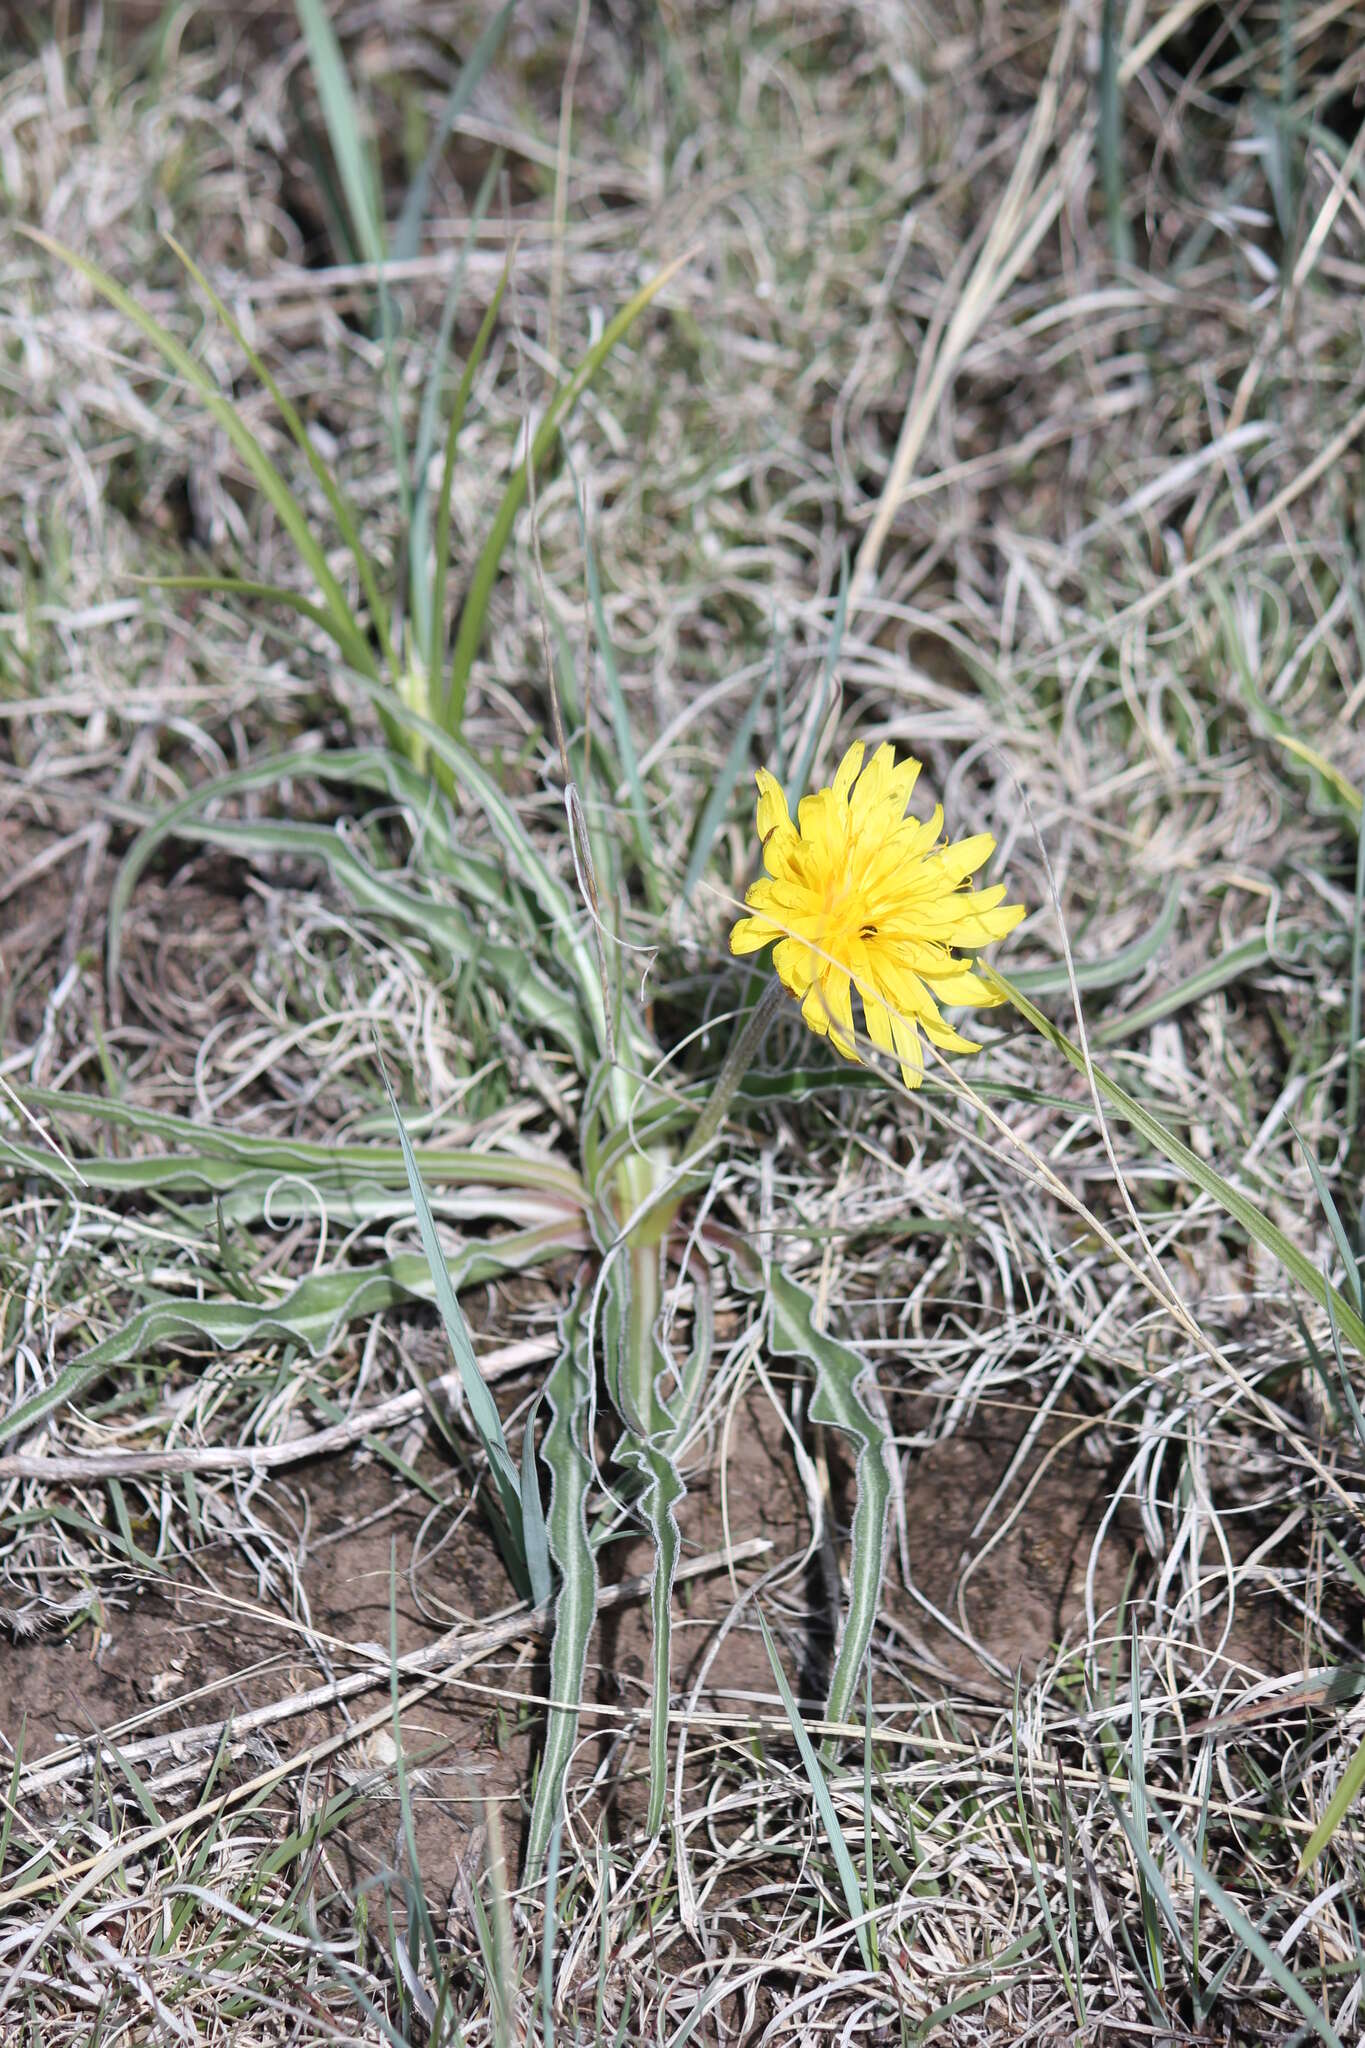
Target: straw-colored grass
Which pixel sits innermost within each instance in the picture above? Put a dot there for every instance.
(1010, 404)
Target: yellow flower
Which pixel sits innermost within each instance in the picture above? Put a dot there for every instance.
(860, 896)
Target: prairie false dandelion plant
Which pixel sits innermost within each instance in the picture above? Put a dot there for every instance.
(858, 896)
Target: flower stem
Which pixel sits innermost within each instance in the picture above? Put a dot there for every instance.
(738, 1061)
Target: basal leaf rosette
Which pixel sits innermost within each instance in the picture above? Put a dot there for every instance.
(860, 897)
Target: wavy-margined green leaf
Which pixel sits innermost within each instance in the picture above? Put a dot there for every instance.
(635, 1363)
(483, 1408)
(1118, 968)
(1291, 946)
(1203, 1176)
(243, 1197)
(216, 1159)
(313, 1314)
(568, 1394)
(838, 1404)
(569, 929)
(442, 923)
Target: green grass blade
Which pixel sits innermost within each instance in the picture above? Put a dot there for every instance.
(1251, 1938)
(303, 440)
(716, 808)
(798, 775)
(848, 1876)
(1352, 1779)
(1349, 1262)
(1237, 1205)
(272, 483)
(437, 623)
(342, 117)
(242, 586)
(472, 618)
(407, 235)
(483, 1408)
(620, 710)
(1349, 799)
(360, 185)
(869, 1896)
(569, 1395)
(8, 1806)
(1040, 1889)
(1141, 1836)
(838, 1404)
(533, 1517)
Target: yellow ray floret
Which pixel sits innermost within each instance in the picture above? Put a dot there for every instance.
(858, 897)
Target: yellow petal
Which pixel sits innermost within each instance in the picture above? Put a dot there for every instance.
(960, 985)
(909, 1051)
(847, 773)
(794, 965)
(878, 1022)
(815, 1010)
(873, 783)
(839, 997)
(983, 928)
(964, 857)
(772, 804)
(749, 934)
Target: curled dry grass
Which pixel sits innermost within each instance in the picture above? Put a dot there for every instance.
(1120, 565)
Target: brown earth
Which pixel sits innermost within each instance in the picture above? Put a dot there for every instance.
(199, 1647)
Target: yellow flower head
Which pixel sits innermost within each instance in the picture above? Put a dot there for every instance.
(860, 896)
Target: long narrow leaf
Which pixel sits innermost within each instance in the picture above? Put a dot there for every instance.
(482, 1407)
(303, 440)
(407, 235)
(635, 1362)
(838, 1404)
(470, 634)
(717, 805)
(620, 710)
(364, 204)
(311, 1315)
(291, 513)
(342, 117)
(848, 1876)
(459, 403)
(222, 1159)
(1238, 1205)
(568, 1393)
